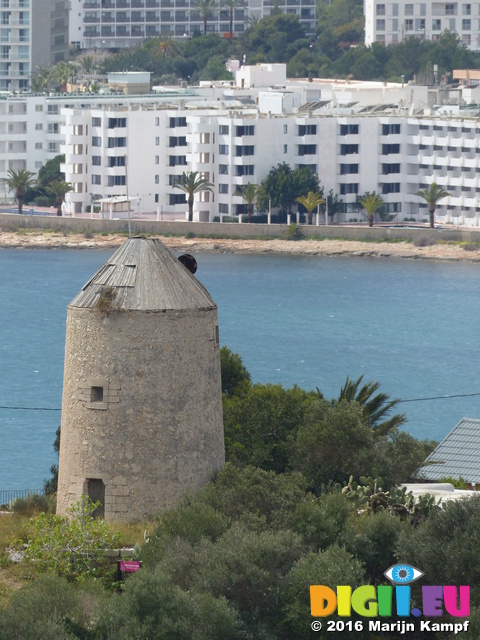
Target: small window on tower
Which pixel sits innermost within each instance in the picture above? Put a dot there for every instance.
(96, 394)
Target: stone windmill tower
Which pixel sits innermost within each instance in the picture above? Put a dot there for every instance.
(142, 409)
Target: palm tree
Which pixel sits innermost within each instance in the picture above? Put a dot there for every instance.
(192, 183)
(432, 194)
(19, 181)
(310, 202)
(64, 72)
(375, 408)
(249, 192)
(40, 81)
(87, 65)
(206, 8)
(59, 189)
(231, 5)
(166, 47)
(371, 202)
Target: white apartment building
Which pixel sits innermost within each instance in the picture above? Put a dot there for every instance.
(127, 23)
(390, 22)
(391, 153)
(33, 33)
(395, 145)
(29, 134)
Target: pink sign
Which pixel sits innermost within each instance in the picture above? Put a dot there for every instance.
(129, 566)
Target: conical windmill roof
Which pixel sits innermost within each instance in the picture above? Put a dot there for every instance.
(145, 276)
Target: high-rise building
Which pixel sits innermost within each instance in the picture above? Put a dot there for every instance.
(33, 33)
(388, 21)
(127, 23)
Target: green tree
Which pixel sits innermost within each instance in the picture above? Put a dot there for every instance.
(276, 38)
(49, 172)
(87, 64)
(19, 181)
(261, 425)
(70, 546)
(63, 73)
(236, 379)
(310, 202)
(375, 407)
(50, 485)
(192, 183)
(215, 69)
(41, 79)
(249, 192)
(333, 204)
(432, 195)
(371, 202)
(333, 442)
(444, 545)
(166, 47)
(340, 23)
(330, 567)
(152, 607)
(282, 185)
(59, 189)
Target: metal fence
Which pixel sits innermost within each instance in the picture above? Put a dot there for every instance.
(10, 495)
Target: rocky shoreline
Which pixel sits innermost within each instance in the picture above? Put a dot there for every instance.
(34, 239)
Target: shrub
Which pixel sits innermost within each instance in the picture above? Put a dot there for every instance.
(152, 608)
(33, 505)
(293, 232)
(235, 377)
(331, 567)
(71, 546)
(261, 425)
(322, 521)
(445, 545)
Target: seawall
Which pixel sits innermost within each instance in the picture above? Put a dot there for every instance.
(12, 222)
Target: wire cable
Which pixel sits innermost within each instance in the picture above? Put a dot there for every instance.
(447, 397)
(30, 408)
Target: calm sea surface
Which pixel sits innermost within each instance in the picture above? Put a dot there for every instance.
(310, 321)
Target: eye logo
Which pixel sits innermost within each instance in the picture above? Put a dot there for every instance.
(403, 574)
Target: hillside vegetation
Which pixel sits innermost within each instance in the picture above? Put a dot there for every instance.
(299, 502)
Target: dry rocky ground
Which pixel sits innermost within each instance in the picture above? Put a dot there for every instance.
(33, 239)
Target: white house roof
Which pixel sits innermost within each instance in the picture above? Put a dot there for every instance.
(458, 455)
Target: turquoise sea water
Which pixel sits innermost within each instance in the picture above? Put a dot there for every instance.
(310, 321)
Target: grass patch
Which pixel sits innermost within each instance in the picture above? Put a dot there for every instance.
(132, 533)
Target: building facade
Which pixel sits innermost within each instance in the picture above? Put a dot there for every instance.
(391, 22)
(33, 33)
(356, 137)
(127, 23)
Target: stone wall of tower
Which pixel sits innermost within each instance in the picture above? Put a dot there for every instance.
(141, 407)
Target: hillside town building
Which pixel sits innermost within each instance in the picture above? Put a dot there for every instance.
(106, 24)
(390, 138)
(33, 33)
(390, 22)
